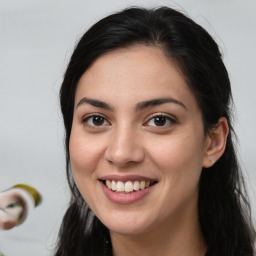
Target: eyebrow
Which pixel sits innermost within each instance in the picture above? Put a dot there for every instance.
(156, 102)
(95, 103)
(140, 106)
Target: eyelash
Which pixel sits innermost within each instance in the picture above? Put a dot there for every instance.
(86, 119)
(166, 118)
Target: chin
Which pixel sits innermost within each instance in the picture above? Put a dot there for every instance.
(126, 230)
(127, 224)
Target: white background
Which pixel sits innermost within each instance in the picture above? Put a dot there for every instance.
(36, 40)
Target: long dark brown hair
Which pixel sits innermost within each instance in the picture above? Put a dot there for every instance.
(224, 211)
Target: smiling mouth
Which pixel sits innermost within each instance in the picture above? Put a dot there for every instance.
(128, 186)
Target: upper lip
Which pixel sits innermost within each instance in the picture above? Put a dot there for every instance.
(125, 178)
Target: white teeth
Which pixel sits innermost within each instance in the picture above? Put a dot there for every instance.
(108, 183)
(113, 185)
(136, 185)
(127, 186)
(119, 186)
(142, 184)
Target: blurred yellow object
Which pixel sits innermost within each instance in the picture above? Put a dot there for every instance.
(32, 191)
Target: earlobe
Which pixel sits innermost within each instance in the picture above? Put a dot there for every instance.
(216, 142)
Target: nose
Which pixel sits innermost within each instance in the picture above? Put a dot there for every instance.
(124, 148)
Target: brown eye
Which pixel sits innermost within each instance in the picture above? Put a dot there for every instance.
(98, 120)
(95, 120)
(160, 121)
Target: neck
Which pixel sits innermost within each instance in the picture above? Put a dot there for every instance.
(181, 237)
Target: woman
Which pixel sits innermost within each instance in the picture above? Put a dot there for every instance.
(149, 142)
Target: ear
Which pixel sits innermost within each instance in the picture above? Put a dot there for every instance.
(215, 142)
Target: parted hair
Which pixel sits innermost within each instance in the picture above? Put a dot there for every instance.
(224, 210)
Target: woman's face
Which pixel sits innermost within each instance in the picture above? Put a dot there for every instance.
(137, 144)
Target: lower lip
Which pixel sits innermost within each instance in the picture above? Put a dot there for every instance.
(125, 198)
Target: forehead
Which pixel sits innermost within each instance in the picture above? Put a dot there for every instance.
(137, 73)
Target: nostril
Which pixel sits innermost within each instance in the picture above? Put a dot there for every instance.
(124, 151)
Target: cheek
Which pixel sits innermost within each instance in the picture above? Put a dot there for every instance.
(180, 150)
(84, 158)
(179, 159)
(84, 153)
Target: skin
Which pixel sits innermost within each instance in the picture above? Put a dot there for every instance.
(130, 141)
